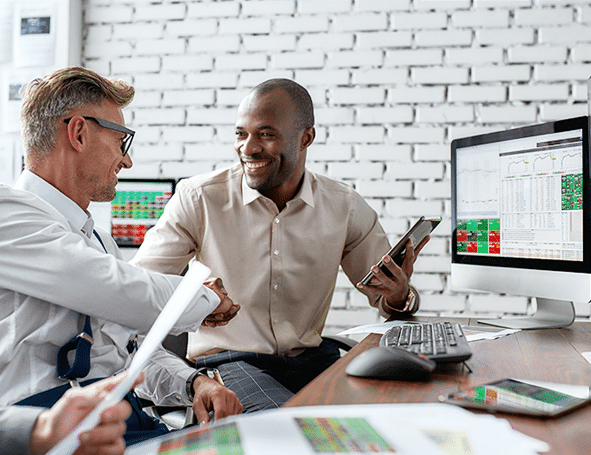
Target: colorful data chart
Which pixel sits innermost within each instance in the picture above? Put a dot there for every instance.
(479, 236)
(572, 192)
(219, 440)
(342, 435)
(139, 205)
(133, 213)
(129, 234)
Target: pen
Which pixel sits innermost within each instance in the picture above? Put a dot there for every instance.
(213, 373)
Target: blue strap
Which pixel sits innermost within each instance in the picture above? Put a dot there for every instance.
(100, 240)
(81, 343)
(132, 344)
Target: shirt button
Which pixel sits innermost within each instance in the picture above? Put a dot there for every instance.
(276, 220)
(276, 252)
(275, 286)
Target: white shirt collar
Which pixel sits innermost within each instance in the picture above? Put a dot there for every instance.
(305, 193)
(79, 218)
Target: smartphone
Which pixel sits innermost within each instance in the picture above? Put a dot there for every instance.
(421, 229)
(516, 396)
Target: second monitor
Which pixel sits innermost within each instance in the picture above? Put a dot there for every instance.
(135, 209)
(521, 217)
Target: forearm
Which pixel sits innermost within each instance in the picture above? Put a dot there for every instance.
(166, 378)
(71, 270)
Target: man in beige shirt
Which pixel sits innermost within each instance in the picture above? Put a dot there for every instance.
(276, 233)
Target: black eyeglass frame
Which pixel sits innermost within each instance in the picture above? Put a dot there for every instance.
(112, 126)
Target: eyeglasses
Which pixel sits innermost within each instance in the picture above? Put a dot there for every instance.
(113, 126)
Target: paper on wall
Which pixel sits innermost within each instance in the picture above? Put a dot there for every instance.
(12, 83)
(7, 161)
(6, 10)
(34, 34)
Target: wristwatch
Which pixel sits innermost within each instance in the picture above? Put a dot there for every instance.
(411, 300)
(212, 373)
(191, 379)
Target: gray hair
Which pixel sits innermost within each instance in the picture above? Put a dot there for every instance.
(47, 99)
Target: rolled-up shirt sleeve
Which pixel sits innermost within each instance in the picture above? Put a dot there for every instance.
(166, 378)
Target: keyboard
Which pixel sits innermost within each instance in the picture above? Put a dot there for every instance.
(442, 342)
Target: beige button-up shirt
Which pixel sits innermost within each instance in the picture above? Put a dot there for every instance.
(281, 267)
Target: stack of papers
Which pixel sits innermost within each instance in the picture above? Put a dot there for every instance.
(404, 429)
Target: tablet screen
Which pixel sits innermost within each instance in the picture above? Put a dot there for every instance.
(522, 397)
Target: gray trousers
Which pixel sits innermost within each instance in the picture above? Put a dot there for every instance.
(265, 381)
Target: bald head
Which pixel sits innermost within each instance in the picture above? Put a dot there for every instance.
(302, 102)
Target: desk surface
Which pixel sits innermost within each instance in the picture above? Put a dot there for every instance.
(552, 355)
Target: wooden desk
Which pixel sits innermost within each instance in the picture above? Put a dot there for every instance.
(546, 355)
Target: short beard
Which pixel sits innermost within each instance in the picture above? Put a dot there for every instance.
(105, 193)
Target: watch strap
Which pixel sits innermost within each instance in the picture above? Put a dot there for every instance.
(191, 379)
(411, 305)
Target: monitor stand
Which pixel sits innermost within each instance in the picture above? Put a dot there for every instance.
(550, 314)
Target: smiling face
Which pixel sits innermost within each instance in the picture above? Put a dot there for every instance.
(271, 151)
(105, 160)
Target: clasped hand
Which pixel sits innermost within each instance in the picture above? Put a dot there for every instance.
(225, 311)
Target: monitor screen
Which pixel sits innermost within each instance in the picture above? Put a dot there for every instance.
(520, 202)
(135, 209)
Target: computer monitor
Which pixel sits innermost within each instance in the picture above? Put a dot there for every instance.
(135, 209)
(521, 218)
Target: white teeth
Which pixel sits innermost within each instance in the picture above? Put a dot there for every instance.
(252, 165)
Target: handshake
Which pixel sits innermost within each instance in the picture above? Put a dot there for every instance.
(225, 311)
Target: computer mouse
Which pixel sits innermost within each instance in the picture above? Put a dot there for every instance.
(390, 362)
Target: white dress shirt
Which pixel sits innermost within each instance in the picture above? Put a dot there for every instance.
(54, 272)
(16, 425)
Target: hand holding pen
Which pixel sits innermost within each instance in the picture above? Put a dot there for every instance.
(212, 395)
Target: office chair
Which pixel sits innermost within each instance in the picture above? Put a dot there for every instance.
(177, 344)
(177, 417)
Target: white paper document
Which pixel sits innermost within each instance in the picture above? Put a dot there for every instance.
(403, 429)
(486, 333)
(12, 84)
(7, 161)
(379, 327)
(180, 299)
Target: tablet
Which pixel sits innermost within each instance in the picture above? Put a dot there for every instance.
(421, 229)
(517, 396)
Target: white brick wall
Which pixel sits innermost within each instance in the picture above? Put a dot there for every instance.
(393, 81)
